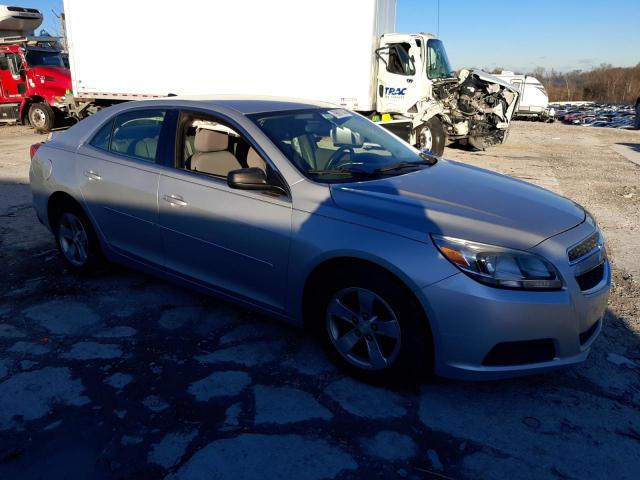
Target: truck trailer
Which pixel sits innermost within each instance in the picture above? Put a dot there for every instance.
(343, 52)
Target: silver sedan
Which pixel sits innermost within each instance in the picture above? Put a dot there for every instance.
(402, 262)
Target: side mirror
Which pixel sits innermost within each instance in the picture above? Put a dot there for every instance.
(252, 179)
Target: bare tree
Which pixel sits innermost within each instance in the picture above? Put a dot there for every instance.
(603, 83)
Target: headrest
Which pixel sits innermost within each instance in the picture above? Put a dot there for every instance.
(343, 136)
(255, 160)
(209, 141)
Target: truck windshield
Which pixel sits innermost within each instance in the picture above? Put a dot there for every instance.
(43, 58)
(335, 145)
(437, 61)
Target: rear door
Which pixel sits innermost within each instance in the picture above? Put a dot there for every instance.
(235, 241)
(119, 170)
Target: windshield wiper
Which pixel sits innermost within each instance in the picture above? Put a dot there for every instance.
(347, 172)
(426, 160)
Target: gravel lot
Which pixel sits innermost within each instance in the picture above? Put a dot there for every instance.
(125, 376)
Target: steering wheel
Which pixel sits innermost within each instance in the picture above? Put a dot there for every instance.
(338, 154)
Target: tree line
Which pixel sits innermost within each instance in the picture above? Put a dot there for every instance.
(604, 83)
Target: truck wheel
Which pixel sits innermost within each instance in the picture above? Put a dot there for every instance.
(41, 117)
(430, 137)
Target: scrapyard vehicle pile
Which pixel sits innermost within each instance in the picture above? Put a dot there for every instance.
(404, 82)
(609, 115)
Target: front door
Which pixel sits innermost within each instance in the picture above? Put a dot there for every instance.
(399, 74)
(119, 173)
(12, 83)
(235, 241)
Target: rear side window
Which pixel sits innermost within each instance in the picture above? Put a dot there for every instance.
(136, 134)
(101, 139)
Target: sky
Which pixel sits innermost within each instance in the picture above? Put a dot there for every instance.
(520, 35)
(517, 35)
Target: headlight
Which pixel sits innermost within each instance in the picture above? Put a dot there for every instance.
(499, 267)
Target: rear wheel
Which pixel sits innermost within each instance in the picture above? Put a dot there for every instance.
(373, 326)
(430, 137)
(75, 238)
(41, 117)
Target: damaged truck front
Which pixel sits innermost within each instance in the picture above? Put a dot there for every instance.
(437, 106)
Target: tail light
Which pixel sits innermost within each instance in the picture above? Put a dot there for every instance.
(34, 149)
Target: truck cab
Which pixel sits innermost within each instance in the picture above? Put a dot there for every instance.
(417, 87)
(33, 77)
(407, 67)
(33, 81)
(534, 100)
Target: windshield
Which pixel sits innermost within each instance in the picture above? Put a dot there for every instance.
(41, 58)
(437, 61)
(332, 145)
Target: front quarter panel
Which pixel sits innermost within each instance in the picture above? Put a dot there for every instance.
(321, 235)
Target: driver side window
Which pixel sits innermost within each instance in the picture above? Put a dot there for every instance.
(399, 60)
(211, 147)
(13, 63)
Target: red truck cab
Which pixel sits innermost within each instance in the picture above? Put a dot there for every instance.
(33, 81)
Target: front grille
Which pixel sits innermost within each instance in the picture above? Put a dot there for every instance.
(590, 279)
(520, 353)
(588, 333)
(584, 247)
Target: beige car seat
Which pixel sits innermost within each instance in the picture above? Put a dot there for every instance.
(255, 161)
(211, 155)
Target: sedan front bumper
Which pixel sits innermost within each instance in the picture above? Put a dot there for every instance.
(482, 332)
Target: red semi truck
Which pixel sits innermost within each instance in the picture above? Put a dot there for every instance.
(33, 77)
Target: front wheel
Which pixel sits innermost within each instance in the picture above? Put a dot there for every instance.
(374, 327)
(41, 117)
(431, 137)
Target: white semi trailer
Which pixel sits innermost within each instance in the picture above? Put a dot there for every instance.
(343, 52)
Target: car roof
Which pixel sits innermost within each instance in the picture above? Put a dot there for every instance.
(252, 104)
(242, 105)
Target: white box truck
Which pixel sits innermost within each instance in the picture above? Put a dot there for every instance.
(338, 51)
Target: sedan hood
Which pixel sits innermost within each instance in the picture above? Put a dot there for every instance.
(462, 201)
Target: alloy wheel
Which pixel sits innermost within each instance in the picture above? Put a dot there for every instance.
(363, 328)
(73, 239)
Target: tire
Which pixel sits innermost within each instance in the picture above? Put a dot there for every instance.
(377, 302)
(76, 239)
(41, 117)
(431, 136)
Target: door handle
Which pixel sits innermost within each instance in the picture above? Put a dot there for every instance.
(91, 175)
(175, 200)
